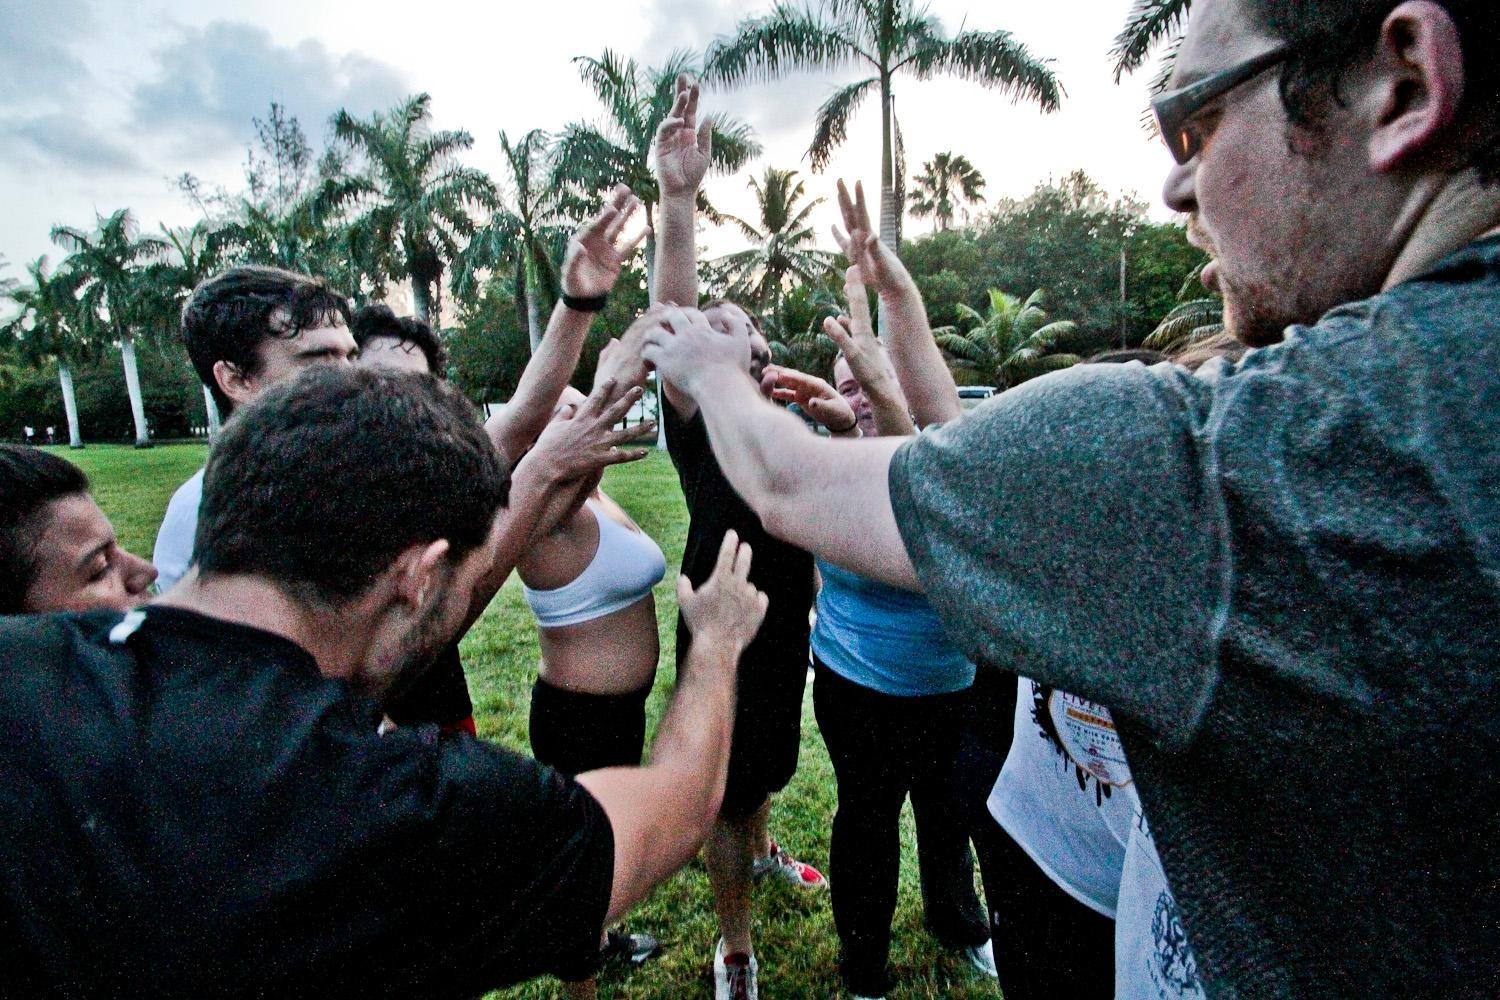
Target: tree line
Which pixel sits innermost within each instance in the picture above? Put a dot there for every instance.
(1017, 287)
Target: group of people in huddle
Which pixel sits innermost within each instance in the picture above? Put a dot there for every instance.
(1199, 653)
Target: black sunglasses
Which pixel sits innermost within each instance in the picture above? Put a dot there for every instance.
(1175, 109)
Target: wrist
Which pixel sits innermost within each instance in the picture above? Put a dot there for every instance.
(897, 291)
(593, 302)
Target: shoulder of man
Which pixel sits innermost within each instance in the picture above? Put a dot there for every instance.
(35, 648)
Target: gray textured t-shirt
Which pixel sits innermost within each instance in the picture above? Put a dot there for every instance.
(1284, 578)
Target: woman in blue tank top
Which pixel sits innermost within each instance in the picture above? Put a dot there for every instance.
(889, 694)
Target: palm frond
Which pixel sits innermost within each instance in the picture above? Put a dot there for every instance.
(832, 124)
(786, 40)
(991, 59)
(1179, 326)
(1149, 23)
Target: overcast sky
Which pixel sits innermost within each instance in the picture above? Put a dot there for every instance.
(102, 102)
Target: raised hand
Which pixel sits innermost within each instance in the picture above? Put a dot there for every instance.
(595, 254)
(855, 333)
(683, 146)
(726, 610)
(816, 397)
(586, 441)
(878, 263)
(683, 347)
(621, 359)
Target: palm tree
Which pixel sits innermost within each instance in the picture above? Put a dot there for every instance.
(195, 256)
(528, 234)
(1191, 320)
(416, 197)
(1012, 342)
(108, 265)
(44, 326)
(782, 250)
(636, 99)
(946, 181)
(884, 37)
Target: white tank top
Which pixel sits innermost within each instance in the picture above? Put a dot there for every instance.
(626, 565)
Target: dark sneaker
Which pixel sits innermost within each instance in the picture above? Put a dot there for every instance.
(632, 948)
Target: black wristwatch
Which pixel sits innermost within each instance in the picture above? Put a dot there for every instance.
(585, 304)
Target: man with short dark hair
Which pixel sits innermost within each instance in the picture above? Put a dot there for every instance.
(245, 330)
(58, 552)
(197, 799)
(1282, 575)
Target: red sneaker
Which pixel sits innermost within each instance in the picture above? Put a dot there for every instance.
(788, 869)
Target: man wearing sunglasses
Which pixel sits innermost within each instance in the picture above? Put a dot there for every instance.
(1282, 576)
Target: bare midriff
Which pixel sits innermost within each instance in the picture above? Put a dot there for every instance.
(615, 654)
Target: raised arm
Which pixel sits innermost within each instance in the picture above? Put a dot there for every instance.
(544, 484)
(662, 813)
(682, 152)
(919, 364)
(829, 497)
(870, 361)
(593, 263)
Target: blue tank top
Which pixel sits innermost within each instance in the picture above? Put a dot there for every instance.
(884, 638)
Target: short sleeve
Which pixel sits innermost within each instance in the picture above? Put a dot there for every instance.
(1071, 531)
(517, 870)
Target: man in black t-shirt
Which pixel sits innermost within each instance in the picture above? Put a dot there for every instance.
(198, 799)
(768, 724)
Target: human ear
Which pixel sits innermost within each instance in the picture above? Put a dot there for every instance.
(1419, 73)
(417, 573)
(233, 382)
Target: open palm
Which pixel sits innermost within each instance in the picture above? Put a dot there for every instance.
(683, 147)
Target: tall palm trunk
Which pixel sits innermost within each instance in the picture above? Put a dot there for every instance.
(890, 201)
(211, 408)
(661, 399)
(133, 387)
(421, 299)
(70, 405)
(533, 304)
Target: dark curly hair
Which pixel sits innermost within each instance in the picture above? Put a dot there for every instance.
(378, 321)
(230, 315)
(1328, 37)
(326, 478)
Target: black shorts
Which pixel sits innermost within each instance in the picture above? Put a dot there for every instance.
(767, 728)
(576, 732)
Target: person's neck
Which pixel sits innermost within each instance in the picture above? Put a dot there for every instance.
(258, 603)
(1444, 214)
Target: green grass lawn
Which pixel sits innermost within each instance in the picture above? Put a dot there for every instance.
(795, 939)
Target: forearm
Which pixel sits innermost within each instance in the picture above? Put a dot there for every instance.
(546, 374)
(662, 813)
(888, 404)
(675, 275)
(925, 379)
(831, 498)
(536, 501)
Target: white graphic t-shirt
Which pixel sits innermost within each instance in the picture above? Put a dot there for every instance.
(1152, 957)
(1060, 813)
(1097, 845)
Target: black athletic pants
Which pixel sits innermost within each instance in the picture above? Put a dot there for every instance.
(884, 748)
(1047, 944)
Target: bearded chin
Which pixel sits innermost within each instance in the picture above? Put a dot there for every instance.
(1246, 321)
(419, 652)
